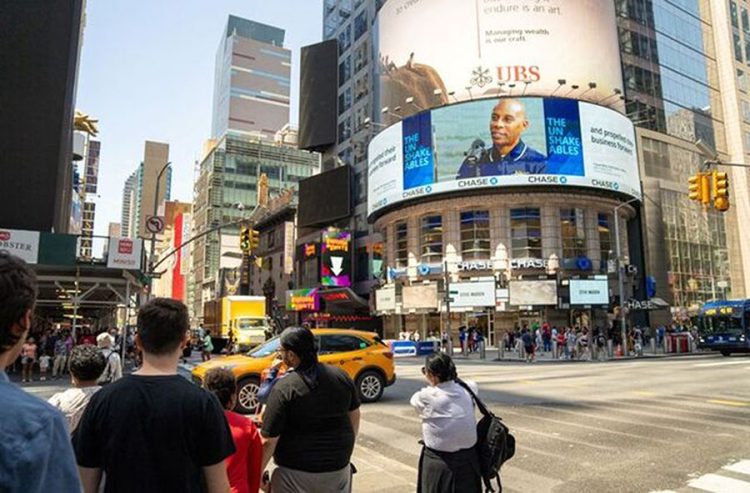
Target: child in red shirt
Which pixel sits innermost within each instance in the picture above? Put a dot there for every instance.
(243, 467)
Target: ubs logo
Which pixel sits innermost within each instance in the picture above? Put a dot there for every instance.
(518, 73)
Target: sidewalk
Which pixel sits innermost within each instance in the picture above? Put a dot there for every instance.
(492, 354)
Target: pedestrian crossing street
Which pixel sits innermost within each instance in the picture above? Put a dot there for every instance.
(640, 426)
(732, 478)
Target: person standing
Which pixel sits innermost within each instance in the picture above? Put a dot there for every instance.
(113, 370)
(153, 431)
(462, 338)
(449, 462)
(44, 360)
(207, 345)
(243, 467)
(28, 359)
(61, 356)
(86, 365)
(35, 446)
(528, 345)
(310, 421)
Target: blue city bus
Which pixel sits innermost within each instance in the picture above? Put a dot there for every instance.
(724, 326)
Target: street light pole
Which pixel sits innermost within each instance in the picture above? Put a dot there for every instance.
(156, 207)
(620, 280)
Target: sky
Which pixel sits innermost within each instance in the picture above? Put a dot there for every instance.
(146, 72)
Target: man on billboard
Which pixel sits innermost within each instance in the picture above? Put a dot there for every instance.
(508, 155)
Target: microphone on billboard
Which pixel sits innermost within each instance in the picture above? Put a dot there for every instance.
(474, 154)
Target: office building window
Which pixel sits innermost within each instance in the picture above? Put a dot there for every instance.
(742, 80)
(733, 13)
(360, 25)
(605, 238)
(573, 233)
(401, 258)
(431, 240)
(345, 70)
(526, 232)
(475, 235)
(737, 47)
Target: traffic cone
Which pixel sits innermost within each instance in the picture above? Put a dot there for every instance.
(618, 351)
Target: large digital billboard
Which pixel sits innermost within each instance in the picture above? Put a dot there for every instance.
(533, 293)
(499, 143)
(336, 258)
(441, 51)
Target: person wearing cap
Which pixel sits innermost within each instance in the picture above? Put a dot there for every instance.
(310, 422)
(113, 370)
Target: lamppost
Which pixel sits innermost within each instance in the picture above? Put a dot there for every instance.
(620, 280)
(156, 207)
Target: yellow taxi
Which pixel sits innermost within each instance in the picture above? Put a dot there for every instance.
(362, 355)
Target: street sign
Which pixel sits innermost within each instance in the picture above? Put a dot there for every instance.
(154, 224)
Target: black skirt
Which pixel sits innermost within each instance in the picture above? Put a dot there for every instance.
(449, 472)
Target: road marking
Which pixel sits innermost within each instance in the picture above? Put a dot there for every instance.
(742, 467)
(722, 363)
(728, 403)
(644, 393)
(719, 484)
(528, 382)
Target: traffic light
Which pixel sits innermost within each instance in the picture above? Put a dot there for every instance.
(699, 186)
(254, 239)
(720, 191)
(245, 239)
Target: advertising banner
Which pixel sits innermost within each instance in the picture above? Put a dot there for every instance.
(385, 299)
(589, 292)
(22, 244)
(336, 264)
(533, 293)
(187, 226)
(303, 300)
(510, 142)
(437, 52)
(472, 294)
(420, 296)
(124, 253)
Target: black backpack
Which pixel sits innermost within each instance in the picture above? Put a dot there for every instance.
(495, 444)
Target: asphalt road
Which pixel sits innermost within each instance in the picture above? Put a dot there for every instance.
(630, 426)
(674, 424)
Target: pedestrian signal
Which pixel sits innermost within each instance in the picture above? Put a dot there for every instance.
(721, 191)
(699, 187)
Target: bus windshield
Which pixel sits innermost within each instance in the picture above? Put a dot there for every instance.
(722, 324)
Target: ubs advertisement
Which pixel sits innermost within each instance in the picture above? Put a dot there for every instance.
(442, 51)
(589, 292)
(507, 142)
(336, 264)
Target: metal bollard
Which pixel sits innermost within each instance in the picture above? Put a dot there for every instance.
(482, 353)
(610, 348)
(554, 349)
(653, 345)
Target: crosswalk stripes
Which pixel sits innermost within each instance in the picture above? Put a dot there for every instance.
(732, 478)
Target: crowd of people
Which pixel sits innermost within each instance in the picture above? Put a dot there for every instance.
(154, 431)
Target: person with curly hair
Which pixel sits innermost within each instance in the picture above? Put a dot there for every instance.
(86, 365)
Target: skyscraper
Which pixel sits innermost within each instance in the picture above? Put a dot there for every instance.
(127, 217)
(673, 94)
(139, 193)
(251, 81)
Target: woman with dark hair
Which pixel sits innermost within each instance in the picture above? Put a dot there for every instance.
(310, 422)
(449, 462)
(243, 467)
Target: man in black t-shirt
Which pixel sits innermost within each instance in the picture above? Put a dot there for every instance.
(153, 431)
(310, 422)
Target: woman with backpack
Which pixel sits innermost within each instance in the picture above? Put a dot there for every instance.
(449, 462)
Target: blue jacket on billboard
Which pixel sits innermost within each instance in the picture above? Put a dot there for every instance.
(522, 159)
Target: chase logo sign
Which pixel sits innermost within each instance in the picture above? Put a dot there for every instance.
(610, 185)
